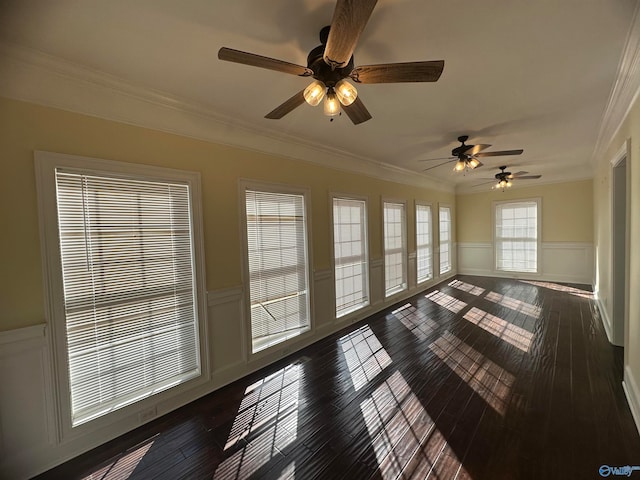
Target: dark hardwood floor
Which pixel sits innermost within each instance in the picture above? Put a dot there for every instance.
(476, 378)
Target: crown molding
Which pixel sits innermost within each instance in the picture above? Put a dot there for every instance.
(625, 90)
(36, 77)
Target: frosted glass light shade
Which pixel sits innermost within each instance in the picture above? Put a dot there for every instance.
(473, 163)
(331, 104)
(346, 92)
(314, 93)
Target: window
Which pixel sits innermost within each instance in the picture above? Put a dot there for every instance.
(395, 248)
(516, 236)
(423, 243)
(350, 255)
(126, 308)
(278, 266)
(445, 240)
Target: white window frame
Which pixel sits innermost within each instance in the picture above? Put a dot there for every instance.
(365, 247)
(442, 206)
(538, 202)
(429, 208)
(124, 418)
(243, 186)
(405, 283)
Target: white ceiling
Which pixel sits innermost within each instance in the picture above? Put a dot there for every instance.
(535, 75)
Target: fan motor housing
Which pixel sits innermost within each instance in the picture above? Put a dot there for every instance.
(323, 72)
(459, 151)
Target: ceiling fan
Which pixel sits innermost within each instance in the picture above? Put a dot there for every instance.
(331, 64)
(504, 179)
(466, 156)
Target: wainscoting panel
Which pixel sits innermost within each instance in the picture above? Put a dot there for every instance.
(568, 262)
(376, 270)
(412, 269)
(27, 416)
(324, 302)
(475, 258)
(227, 332)
(560, 262)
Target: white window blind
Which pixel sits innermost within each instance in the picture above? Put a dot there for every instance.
(278, 267)
(445, 240)
(423, 243)
(350, 255)
(395, 245)
(129, 289)
(516, 236)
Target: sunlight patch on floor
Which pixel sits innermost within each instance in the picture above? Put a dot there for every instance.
(416, 321)
(267, 419)
(123, 467)
(467, 287)
(578, 292)
(514, 304)
(496, 326)
(446, 301)
(365, 356)
(490, 381)
(405, 440)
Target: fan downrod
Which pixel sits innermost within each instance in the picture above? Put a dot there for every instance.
(322, 71)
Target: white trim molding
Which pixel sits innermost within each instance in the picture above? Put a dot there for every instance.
(632, 392)
(606, 320)
(625, 90)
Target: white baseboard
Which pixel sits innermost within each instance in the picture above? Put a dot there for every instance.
(632, 393)
(606, 321)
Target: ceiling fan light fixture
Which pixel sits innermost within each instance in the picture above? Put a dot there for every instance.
(460, 166)
(346, 92)
(502, 184)
(473, 163)
(314, 93)
(331, 103)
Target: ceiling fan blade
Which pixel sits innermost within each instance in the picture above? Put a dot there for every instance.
(436, 166)
(288, 106)
(357, 112)
(500, 153)
(398, 72)
(517, 174)
(231, 55)
(528, 177)
(439, 158)
(349, 19)
(474, 149)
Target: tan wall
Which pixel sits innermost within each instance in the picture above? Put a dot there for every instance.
(567, 211)
(26, 127)
(629, 130)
